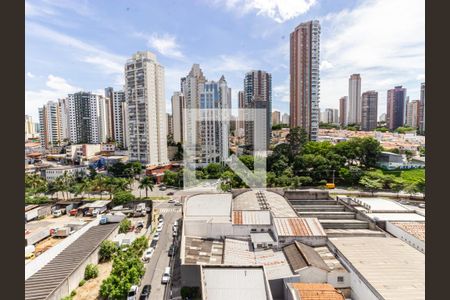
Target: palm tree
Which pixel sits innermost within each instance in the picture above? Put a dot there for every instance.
(146, 183)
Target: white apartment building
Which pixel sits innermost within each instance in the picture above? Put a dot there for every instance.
(146, 109)
(116, 115)
(50, 124)
(354, 100)
(178, 116)
(214, 121)
(87, 116)
(285, 119)
(53, 173)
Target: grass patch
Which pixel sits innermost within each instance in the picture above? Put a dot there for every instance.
(157, 198)
(407, 176)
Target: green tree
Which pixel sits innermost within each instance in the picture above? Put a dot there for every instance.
(122, 197)
(107, 250)
(296, 139)
(147, 184)
(124, 226)
(213, 170)
(371, 183)
(90, 272)
(169, 178)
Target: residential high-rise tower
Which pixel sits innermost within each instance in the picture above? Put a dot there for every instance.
(395, 107)
(146, 107)
(369, 110)
(305, 77)
(354, 111)
(343, 104)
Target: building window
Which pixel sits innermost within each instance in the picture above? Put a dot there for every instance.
(253, 230)
(340, 279)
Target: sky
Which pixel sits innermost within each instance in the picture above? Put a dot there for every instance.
(83, 45)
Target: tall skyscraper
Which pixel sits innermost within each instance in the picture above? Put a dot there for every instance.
(115, 102)
(330, 116)
(191, 87)
(276, 117)
(369, 110)
(87, 118)
(343, 105)
(422, 108)
(50, 124)
(258, 95)
(285, 119)
(169, 124)
(240, 126)
(65, 118)
(214, 122)
(178, 116)
(146, 106)
(412, 116)
(30, 131)
(395, 107)
(354, 99)
(305, 77)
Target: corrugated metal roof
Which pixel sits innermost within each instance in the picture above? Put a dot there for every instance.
(251, 217)
(317, 291)
(264, 200)
(298, 227)
(41, 284)
(390, 266)
(301, 256)
(416, 229)
(235, 283)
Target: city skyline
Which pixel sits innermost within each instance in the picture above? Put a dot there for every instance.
(85, 64)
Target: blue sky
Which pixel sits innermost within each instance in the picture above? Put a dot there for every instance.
(83, 45)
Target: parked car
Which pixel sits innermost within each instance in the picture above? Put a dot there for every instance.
(159, 228)
(140, 224)
(422, 205)
(148, 254)
(172, 250)
(57, 213)
(153, 243)
(132, 294)
(145, 292)
(175, 233)
(161, 217)
(170, 194)
(177, 203)
(162, 188)
(166, 276)
(156, 236)
(171, 200)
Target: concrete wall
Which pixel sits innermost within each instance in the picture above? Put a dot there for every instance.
(313, 275)
(71, 283)
(406, 237)
(307, 195)
(333, 276)
(277, 288)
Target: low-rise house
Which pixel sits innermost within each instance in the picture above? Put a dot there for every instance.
(52, 173)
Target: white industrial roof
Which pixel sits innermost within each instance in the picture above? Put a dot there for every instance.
(276, 203)
(261, 237)
(392, 267)
(396, 216)
(238, 252)
(224, 283)
(298, 227)
(98, 203)
(251, 217)
(382, 205)
(208, 205)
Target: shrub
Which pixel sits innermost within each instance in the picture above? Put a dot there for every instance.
(124, 226)
(322, 182)
(107, 249)
(82, 282)
(122, 197)
(90, 272)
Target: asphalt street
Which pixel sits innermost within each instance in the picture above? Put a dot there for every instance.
(160, 260)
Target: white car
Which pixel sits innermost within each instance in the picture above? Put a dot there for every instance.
(148, 254)
(156, 236)
(422, 205)
(166, 276)
(133, 293)
(159, 228)
(171, 201)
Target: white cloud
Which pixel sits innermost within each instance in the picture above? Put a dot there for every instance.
(278, 10)
(32, 10)
(30, 75)
(107, 62)
(231, 63)
(421, 77)
(379, 39)
(281, 92)
(165, 44)
(57, 87)
(325, 65)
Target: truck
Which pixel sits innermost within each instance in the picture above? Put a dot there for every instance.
(31, 214)
(98, 211)
(62, 232)
(112, 218)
